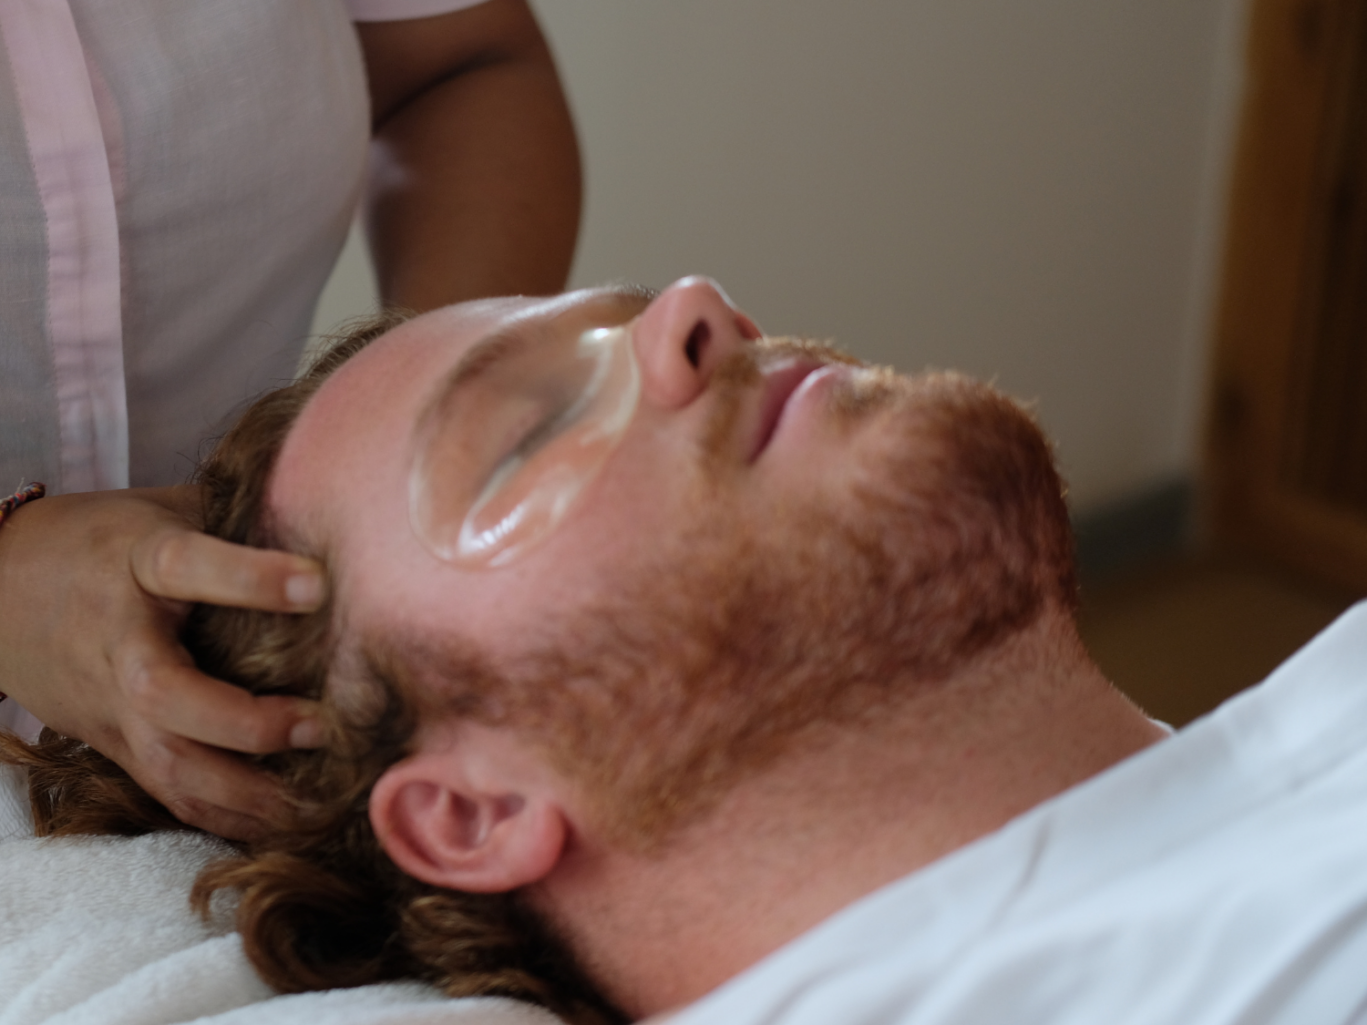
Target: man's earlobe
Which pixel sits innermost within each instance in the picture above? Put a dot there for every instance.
(441, 828)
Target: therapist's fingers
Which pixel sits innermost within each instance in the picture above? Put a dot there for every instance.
(95, 592)
(180, 700)
(178, 723)
(211, 789)
(185, 565)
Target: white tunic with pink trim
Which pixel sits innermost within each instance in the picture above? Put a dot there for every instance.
(176, 180)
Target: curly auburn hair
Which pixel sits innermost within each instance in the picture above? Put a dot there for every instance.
(321, 906)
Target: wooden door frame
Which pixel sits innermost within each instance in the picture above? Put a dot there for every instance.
(1298, 51)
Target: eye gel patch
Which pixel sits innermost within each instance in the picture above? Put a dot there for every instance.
(501, 460)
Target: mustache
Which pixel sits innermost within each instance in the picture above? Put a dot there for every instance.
(750, 361)
(741, 371)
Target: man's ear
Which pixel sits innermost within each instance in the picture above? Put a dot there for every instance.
(444, 821)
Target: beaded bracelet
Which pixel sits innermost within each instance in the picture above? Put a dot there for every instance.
(28, 493)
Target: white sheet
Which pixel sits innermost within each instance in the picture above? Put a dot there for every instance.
(1216, 878)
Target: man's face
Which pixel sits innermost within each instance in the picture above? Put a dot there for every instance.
(749, 561)
(342, 480)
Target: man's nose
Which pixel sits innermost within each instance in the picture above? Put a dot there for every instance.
(683, 336)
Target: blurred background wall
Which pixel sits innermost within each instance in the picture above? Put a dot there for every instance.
(1032, 192)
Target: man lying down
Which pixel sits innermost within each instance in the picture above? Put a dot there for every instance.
(733, 681)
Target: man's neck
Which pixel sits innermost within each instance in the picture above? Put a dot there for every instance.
(791, 847)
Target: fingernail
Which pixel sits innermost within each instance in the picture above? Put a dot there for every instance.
(304, 590)
(306, 733)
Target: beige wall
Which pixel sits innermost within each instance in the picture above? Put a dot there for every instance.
(1029, 190)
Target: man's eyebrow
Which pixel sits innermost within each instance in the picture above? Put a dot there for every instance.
(489, 350)
(508, 341)
(513, 339)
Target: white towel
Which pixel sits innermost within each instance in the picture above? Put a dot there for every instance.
(99, 931)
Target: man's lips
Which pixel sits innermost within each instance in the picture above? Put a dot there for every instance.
(777, 388)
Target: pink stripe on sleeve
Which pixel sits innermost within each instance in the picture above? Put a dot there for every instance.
(85, 327)
(19, 721)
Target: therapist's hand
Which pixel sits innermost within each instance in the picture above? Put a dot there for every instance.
(93, 590)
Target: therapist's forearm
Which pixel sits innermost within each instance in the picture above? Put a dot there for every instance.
(475, 188)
